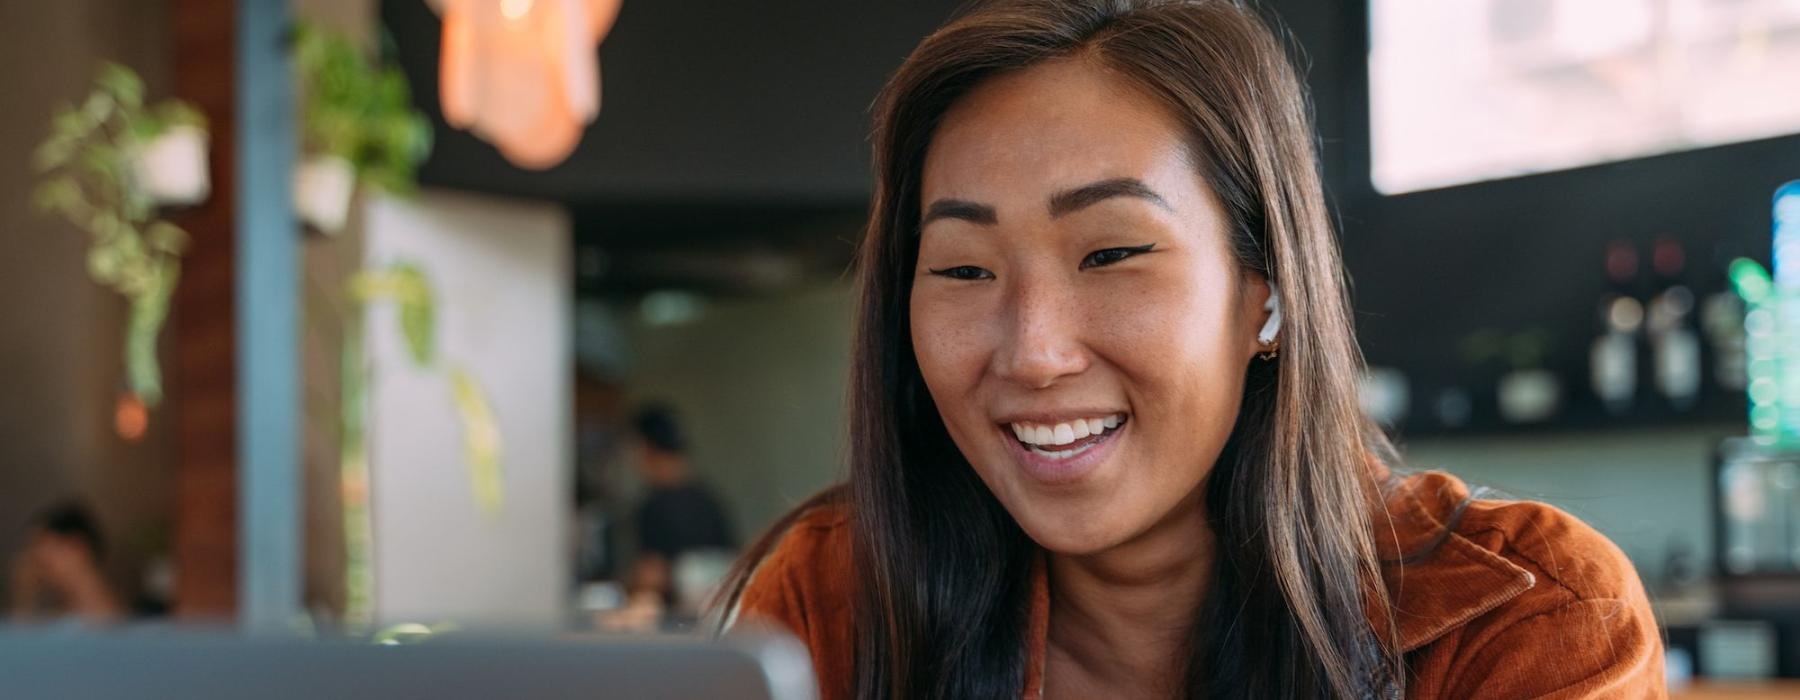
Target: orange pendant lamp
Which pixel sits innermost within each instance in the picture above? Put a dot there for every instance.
(523, 74)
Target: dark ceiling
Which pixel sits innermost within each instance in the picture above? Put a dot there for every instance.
(704, 101)
(731, 133)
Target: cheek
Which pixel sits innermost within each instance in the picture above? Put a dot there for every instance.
(947, 340)
(1160, 328)
(1174, 341)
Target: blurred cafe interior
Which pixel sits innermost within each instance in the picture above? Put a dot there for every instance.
(390, 320)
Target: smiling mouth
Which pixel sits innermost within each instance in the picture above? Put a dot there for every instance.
(1068, 438)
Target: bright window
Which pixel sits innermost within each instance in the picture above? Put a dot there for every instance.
(1470, 90)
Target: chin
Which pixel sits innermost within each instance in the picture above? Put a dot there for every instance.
(1089, 523)
(1072, 533)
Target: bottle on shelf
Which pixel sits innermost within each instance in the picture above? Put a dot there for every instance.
(1613, 361)
(1529, 393)
(1674, 344)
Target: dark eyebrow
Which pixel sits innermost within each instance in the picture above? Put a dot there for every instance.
(959, 209)
(1087, 195)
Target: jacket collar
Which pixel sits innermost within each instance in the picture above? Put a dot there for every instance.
(1435, 581)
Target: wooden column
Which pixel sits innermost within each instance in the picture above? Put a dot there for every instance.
(205, 328)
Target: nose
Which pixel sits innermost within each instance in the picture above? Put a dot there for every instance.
(1042, 342)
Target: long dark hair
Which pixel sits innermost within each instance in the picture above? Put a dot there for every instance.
(942, 570)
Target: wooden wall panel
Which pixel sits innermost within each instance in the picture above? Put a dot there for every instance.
(205, 329)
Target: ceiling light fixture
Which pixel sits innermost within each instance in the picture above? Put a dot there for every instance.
(523, 74)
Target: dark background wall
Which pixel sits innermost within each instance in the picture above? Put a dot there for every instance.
(1507, 255)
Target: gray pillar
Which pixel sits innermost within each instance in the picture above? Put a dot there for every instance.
(268, 323)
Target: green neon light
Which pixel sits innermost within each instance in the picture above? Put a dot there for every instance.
(1751, 281)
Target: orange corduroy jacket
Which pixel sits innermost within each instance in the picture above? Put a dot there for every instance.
(1522, 600)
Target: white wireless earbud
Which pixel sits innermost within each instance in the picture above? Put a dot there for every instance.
(1267, 335)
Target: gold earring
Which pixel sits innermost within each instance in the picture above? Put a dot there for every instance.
(1274, 349)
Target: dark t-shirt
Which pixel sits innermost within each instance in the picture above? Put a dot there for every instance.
(682, 518)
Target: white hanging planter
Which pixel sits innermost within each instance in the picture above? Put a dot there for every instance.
(172, 167)
(323, 186)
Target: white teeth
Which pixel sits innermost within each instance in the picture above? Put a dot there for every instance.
(1039, 435)
(1061, 454)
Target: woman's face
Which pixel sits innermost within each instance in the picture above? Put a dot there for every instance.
(1077, 314)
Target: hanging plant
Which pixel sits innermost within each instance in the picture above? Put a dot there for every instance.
(408, 288)
(358, 126)
(105, 167)
(406, 285)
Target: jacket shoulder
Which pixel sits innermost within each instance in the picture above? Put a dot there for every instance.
(1569, 558)
(803, 587)
(1523, 600)
(1565, 558)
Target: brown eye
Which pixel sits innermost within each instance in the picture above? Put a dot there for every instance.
(967, 273)
(1108, 256)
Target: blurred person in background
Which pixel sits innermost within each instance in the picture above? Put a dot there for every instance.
(1105, 439)
(681, 527)
(57, 575)
(598, 436)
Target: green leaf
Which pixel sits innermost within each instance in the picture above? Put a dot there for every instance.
(111, 231)
(142, 370)
(147, 127)
(71, 123)
(102, 161)
(361, 287)
(391, 90)
(106, 227)
(181, 113)
(356, 109)
(58, 194)
(54, 152)
(421, 139)
(418, 321)
(166, 237)
(136, 277)
(103, 264)
(483, 443)
(129, 244)
(137, 205)
(392, 183)
(405, 285)
(123, 84)
(98, 108)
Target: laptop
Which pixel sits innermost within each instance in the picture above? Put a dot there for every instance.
(192, 666)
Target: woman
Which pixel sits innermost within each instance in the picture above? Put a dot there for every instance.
(1104, 433)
